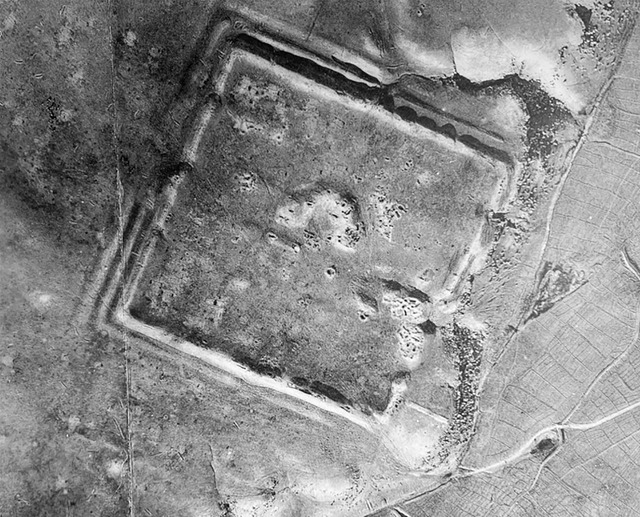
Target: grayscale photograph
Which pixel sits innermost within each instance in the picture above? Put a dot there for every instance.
(319, 258)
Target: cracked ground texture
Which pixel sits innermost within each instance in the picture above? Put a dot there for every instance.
(92, 424)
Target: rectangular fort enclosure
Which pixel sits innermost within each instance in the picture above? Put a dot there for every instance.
(315, 218)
